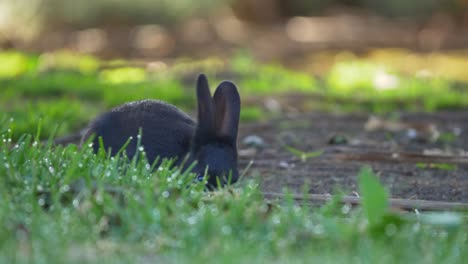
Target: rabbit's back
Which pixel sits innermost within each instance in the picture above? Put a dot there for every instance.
(166, 131)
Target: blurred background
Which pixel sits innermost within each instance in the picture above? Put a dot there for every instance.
(64, 61)
(269, 28)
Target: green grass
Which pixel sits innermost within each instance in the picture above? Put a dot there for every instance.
(64, 90)
(68, 205)
(362, 80)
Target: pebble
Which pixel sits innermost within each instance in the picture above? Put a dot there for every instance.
(254, 141)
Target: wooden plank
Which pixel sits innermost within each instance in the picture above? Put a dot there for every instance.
(405, 157)
(405, 204)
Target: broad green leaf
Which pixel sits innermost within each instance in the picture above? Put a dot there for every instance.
(374, 196)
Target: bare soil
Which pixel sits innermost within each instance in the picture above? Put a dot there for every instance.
(405, 154)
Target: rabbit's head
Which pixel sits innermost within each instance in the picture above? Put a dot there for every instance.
(214, 145)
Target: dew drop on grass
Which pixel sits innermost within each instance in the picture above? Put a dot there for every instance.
(51, 170)
(443, 234)
(75, 203)
(165, 194)
(90, 145)
(141, 148)
(464, 237)
(318, 229)
(308, 224)
(80, 165)
(99, 198)
(192, 220)
(41, 201)
(226, 230)
(107, 174)
(134, 178)
(65, 188)
(149, 244)
(7, 165)
(276, 220)
(282, 243)
(346, 209)
(147, 166)
(35, 144)
(263, 208)
(39, 188)
(180, 202)
(297, 210)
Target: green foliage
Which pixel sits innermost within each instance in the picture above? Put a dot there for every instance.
(65, 204)
(374, 197)
(270, 79)
(447, 137)
(65, 90)
(251, 113)
(364, 81)
(67, 60)
(14, 63)
(123, 75)
(304, 156)
(34, 88)
(55, 118)
(439, 166)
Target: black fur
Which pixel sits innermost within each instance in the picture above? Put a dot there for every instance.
(168, 132)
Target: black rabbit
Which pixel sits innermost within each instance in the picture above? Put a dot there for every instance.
(168, 132)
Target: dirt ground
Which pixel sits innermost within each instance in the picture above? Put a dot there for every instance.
(405, 154)
(420, 156)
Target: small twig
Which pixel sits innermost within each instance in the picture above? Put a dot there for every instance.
(404, 204)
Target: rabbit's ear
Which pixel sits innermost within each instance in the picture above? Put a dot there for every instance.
(227, 110)
(205, 104)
